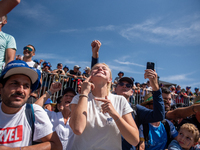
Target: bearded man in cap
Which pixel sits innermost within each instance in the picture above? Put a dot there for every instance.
(17, 81)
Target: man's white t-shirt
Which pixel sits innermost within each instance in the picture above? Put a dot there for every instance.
(32, 63)
(15, 130)
(64, 132)
(101, 131)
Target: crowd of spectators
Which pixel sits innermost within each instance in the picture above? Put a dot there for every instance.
(90, 111)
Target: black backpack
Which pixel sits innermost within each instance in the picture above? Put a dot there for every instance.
(167, 128)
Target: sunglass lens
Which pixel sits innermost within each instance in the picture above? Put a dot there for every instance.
(28, 48)
(121, 84)
(128, 85)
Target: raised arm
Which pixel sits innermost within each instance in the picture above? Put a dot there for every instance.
(157, 114)
(55, 86)
(182, 112)
(78, 118)
(95, 52)
(7, 5)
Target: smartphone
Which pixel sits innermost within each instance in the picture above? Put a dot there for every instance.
(150, 65)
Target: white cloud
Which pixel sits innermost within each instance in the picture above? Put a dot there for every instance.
(35, 12)
(45, 56)
(124, 69)
(160, 31)
(128, 63)
(178, 78)
(182, 31)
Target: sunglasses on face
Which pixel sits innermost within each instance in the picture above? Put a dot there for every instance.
(127, 85)
(28, 48)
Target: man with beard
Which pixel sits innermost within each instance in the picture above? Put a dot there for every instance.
(17, 81)
(29, 52)
(178, 113)
(143, 114)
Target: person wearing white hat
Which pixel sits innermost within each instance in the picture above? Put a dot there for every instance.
(86, 73)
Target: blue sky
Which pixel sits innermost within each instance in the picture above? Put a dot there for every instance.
(132, 32)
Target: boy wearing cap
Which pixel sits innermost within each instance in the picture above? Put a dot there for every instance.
(17, 81)
(48, 105)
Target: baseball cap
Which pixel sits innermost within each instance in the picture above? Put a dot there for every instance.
(49, 101)
(77, 66)
(20, 67)
(65, 67)
(37, 84)
(121, 73)
(36, 61)
(69, 89)
(127, 79)
(197, 100)
(148, 98)
(45, 62)
(87, 68)
(47, 65)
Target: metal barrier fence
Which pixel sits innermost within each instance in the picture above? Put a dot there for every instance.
(68, 81)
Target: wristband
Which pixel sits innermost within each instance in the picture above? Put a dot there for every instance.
(83, 95)
(117, 120)
(49, 93)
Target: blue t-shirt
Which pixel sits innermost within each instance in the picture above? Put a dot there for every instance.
(6, 41)
(157, 136)
(174, 145)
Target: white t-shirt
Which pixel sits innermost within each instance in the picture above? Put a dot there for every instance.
(101, 131)
(32, 63)
(15, 130)
(64, 132)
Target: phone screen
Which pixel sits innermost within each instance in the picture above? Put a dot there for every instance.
(150, 65)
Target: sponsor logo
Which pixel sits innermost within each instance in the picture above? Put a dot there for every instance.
(11, 134)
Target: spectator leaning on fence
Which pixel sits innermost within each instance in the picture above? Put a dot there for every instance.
(29, 52)
(86, 73)
(17, 81)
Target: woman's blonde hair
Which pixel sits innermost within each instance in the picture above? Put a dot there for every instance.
(191, 128)
(110, 83)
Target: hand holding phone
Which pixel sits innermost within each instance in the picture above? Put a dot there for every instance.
(150, 65)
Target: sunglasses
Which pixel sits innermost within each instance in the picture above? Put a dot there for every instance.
(28, 48)
(127, 85)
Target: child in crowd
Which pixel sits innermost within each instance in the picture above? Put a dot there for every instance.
(187, 138)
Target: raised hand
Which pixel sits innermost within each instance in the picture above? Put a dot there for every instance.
(153, 78)
(55, 86)
(107, 107)
(96, 44)
(87, 86)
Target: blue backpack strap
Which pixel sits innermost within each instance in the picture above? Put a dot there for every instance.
(30, 116)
